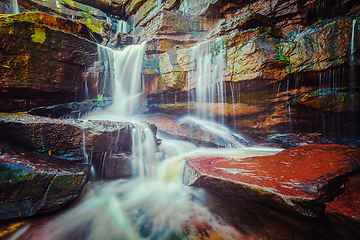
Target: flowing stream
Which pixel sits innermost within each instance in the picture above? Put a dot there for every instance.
(155, 204)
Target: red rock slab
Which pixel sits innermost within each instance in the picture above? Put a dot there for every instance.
(348, 202)
(296, 180)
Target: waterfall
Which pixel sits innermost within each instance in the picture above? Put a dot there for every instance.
(121, 27)
(352, 49)
(207, 76)
(102, 73)
(207, 63)
(126, 80)
(15, 7)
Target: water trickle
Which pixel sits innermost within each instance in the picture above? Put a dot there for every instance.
(207, 62)
(101, 73)
(352, 49)
(122, 27)
(15, 7)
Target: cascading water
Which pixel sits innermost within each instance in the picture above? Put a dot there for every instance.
(15, 7)
(154, 205)
(207, 63)
(102, 72)
(122, 27)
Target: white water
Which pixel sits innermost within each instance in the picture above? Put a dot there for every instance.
(207, 64)
(158, 208)
(15, 7)
(352, 49)
(101, 72)
(122, 27)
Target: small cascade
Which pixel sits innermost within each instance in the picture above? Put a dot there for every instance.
(15, 7)
(122, 27)
(101, 73)
(143, 152)
(352, 48)
(126, 85)
(207, 62)
(127, 66)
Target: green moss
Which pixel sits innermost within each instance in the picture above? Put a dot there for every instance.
(282, 58)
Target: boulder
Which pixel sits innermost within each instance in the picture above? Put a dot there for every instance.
(43, 66)
(344, 211)
(73, 110)
(199, 132)
(33, 184)
(297, 181)
(348, 203)
(117, 166)
(66, 138)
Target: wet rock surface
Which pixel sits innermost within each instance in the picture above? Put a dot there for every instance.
(330, 100)
(40, 65)
(32, 184)
(296, 180)
(117, 166)
(299, 139)
(348, 203)
(74, 109)
(195, 132)
(66, 138)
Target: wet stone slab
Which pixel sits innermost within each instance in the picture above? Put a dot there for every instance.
(32, 184)
(297, 181)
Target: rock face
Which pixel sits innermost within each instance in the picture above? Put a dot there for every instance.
(329, 100)
(296, 180)
(267, 48)
(74, 11)
(32, 184)
(76, 28)
(66, 138)
(40, 65)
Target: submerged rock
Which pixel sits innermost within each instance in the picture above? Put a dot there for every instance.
(297, 181)
(32, 184)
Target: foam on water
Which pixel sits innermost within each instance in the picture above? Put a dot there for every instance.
(159, 208)
(156, 204)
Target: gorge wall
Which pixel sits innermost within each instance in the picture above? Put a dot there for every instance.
(283, 66)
